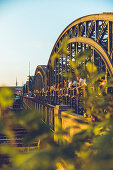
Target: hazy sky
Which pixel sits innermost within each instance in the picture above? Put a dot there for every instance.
(29, 29)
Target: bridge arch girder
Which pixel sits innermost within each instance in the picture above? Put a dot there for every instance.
(97, 27)
(40, 78)
(97, 47)
(92, 30)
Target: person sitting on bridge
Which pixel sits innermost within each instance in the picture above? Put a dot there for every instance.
(52, 88)
(74, 83)
(69, 84)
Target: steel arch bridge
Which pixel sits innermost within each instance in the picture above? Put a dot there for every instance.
(93, 32)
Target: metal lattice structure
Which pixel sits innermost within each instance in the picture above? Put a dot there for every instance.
(40, 78)
(93, 32)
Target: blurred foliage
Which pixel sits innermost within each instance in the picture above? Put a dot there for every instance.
(6, 97)
(89, 148)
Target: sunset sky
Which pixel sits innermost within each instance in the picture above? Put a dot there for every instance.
(29, 29)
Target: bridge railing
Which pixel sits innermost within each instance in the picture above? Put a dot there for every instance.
(46, 110)
(72, 97)
(54, 116)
